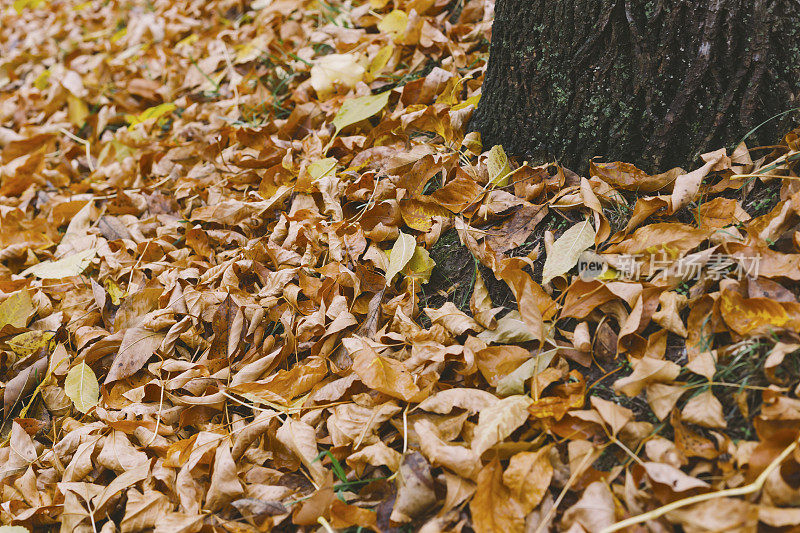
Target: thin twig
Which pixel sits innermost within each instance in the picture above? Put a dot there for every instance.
(86, 144)
(570, 481)
(755, 486)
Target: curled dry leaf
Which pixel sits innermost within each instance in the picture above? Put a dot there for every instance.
(645, 371)
(454, 320)
(472, 400)
(23, 383)
(459, 459)
(705, 410)
(299, 437)
(256, 274)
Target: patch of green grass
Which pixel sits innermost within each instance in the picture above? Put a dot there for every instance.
(277, 79)
(453, 277)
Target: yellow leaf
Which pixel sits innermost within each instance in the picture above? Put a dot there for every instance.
(394, 24)
(20, 5)
(187, 41)
(77, 110)
(16, 310)
(322, 167)
(119, 34)
(121, 151)
(565, 251)
(401, 254)
(420, 266)
(14, 529)
(114, 291)
(247, 52)
(42, 81)
(418, 213)
(358, 109)
(472, 100)
(71, 265)
(380, 60)
(30, 342)
(452, 89)
(749, 316)
(497, 165)
(154, 112)
(82, 388)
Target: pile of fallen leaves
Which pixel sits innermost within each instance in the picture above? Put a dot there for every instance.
(228, 233)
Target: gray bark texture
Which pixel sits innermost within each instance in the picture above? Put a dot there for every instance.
(654, 83)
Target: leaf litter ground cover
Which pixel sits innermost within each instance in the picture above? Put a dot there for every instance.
(255, 274)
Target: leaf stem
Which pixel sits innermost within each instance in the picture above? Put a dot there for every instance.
(755, 486)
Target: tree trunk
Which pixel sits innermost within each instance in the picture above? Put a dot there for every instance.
(650, 82)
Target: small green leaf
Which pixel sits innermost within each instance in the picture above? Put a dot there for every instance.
(82, 387)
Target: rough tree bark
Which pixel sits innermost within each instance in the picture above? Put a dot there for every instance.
(650, 82)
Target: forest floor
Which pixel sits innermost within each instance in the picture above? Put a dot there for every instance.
(256, 274)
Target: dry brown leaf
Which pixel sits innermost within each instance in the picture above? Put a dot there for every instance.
(300, 438)
(705, 410)
(594, 511)
(383, 374)
(415, 489)
(473, 400)
(528, 476)
(498, 421)
(200, 217)
(646, 370)
(138, 345)
(460, 459)
(493, 507)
